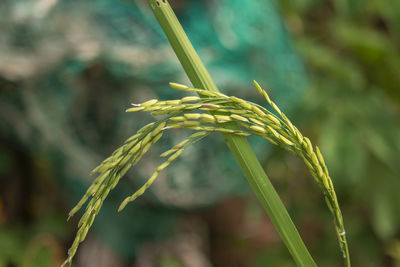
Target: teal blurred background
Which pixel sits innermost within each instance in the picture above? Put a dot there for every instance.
(69, 69)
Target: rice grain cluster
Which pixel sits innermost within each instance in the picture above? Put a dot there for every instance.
(204, 115)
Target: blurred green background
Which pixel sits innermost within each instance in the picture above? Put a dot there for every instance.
(69, 69)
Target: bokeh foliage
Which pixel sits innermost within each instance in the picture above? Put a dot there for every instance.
(351, 49)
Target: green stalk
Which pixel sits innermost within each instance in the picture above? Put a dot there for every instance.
(238, 145)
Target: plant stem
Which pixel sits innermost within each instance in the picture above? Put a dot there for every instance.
(238, 145)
